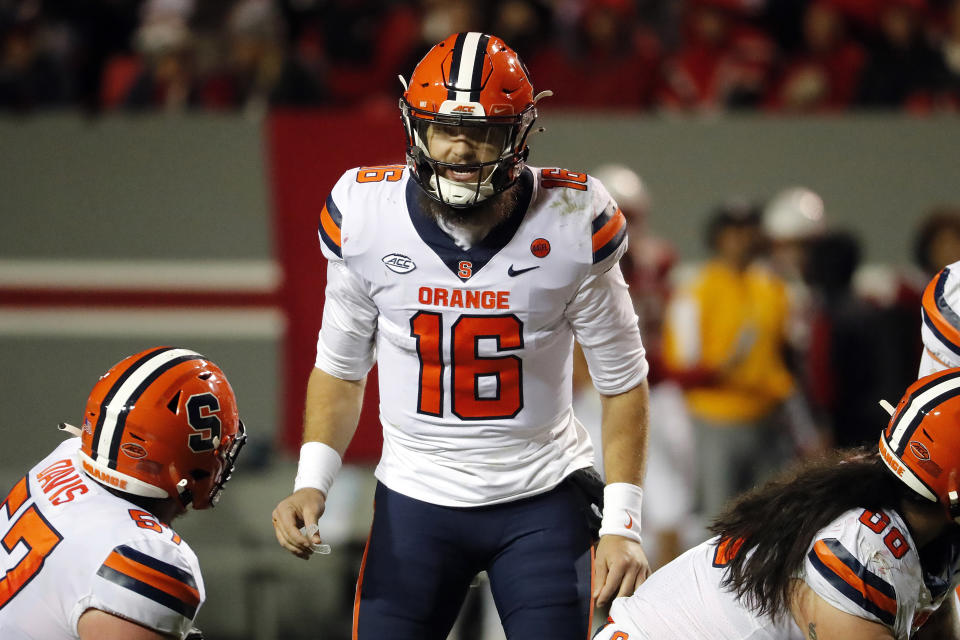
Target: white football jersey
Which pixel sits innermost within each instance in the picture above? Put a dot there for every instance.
(863, 563)
(70, 545)
(940, 322)
(474, 346)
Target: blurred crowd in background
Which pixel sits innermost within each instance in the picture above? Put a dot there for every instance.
(807, 56)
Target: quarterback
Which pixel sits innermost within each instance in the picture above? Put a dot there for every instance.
(859, 545)
(466, 275)
(88, 551)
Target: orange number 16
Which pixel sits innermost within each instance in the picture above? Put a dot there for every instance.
(34, 531)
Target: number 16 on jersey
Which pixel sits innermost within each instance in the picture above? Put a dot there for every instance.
(469, 371)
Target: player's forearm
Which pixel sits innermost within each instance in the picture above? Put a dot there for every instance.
(332, 409)
(624, 433)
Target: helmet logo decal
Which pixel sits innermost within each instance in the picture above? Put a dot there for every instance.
(540, 247)
(919, 451)
(399, 263)
(201, 416)
(463, 108)
(133, 450)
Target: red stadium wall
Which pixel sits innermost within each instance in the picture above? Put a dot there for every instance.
(307, 151)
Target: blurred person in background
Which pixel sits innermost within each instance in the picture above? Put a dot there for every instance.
(168, 79)
(93, 555)
(723, 61)
(34, 71)
(724, 342)
(854, 355)
(823, 75)
(484, 465)
(670, 480)
(609, 60)
(902, 68)
(861, 544)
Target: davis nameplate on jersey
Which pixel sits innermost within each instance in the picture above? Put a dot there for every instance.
(399, 263)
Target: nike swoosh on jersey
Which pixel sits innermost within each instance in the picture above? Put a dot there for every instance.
(516, 272)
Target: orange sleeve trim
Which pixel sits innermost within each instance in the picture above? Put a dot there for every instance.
(329, 226)
(605, 233)
(844, 572)
(168, 584)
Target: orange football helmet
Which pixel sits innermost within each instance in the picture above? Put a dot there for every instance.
(471, 85)
(163, 423)
(921, 443)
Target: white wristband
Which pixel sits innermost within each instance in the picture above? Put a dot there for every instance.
(621, 510)
(318, 467)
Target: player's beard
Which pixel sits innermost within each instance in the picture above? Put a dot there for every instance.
(476, 221)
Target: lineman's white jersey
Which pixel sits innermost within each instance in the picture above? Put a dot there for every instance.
(474, 347)
(940, 322)
(863, 563)
(70, 545)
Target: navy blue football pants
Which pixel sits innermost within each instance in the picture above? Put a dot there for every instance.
(421, 558)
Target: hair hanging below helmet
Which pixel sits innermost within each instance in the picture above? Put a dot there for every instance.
(921, 444)
(163, 423)
(473, 90)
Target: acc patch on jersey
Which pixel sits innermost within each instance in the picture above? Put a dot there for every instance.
(399, 263)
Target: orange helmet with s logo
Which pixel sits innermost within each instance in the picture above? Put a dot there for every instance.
(163, 423)
(921, 444)
(474, 86)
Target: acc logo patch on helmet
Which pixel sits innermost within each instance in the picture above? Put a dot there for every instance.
(133, 450)
(919, 451)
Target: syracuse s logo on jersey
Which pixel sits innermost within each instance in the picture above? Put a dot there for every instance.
(399, 263)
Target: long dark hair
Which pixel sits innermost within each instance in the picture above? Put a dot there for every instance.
(778, 520)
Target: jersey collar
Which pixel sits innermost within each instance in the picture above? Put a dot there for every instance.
(481, 253)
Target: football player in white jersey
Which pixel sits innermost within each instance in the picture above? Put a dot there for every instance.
(858, 545)
(466, 275)
(88, 551)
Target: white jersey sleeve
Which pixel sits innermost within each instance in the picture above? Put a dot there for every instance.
(602, 314)
(150, 582)
(940, 322)
(345, 346)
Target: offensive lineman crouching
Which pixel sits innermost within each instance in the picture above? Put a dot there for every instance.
(467, 276)
(92, 553)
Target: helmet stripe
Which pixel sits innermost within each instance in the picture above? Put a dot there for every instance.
(920, 402)
(98, 429)
(465, 54)
(477, 79)
(126, 392)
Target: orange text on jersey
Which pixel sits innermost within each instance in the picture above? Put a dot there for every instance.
(113, 481)
(443, 297)
(61, 482)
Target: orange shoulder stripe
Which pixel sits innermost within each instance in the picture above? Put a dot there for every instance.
(168, 584)
(845, 573)
(331, 228)
(604, 234)
(934, 314)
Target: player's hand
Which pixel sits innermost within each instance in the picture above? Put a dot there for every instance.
(619, 568)
(302, 508)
